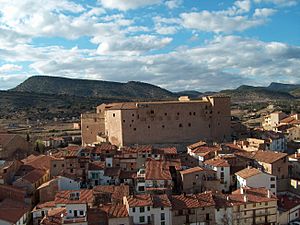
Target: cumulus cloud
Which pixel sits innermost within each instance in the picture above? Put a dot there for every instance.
(279, 2)
(132, 45)
(224, 62)
(172, 4)
(6, 68)
(127, 4)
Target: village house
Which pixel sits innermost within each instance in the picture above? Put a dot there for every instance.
(182, 121)
(255, 178)
(203, 153)
(13, 146)
(288, 207)
(222, 167)
(48, 190)
(246, 206)
(294, 165)
(198, 179)
(116, 214)
(193, 209)
(96, 173)
(104, 194)
(272, 120)
(8, 169)
(14, 212)
(73, 206)
(149, 209)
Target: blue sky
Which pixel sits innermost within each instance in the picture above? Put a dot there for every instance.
(177, 44)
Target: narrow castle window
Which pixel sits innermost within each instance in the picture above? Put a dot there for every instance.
(189, 124)
(114, 115)
(163, 126)
(180, 125)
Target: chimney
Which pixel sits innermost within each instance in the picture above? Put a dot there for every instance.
(234, 142)
(242, 190)
(245, 198)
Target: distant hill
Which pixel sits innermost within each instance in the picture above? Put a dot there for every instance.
(191, 94)
(246, 93)
(47, 97)
(92, 88)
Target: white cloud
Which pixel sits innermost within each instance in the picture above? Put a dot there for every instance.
(217, 22)
(132, 45)
(264, 12)
(8, 68)
(209, 67)
(127, 4)
(172, 4)
(279, 2)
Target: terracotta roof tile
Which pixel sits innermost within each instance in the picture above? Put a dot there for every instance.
(248, 172)
(115, 211)
(269, 156)
(65, 197)
(161, 201)
(287, 202)
(197, 144)
(180, 202)
(218, 162)
(97, 165)
(157, 170)
(34, 175)
(12, 211)
(192, 170)
(118, 192)
(139, 200)
(6, 138)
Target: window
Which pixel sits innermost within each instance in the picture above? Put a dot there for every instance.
(272, 186)
(207, 216)
(114, 115)
(222, 168)
(189, 124)
(162, 208)
(54, 165)
(163, 126)
(266, 203)
(132, 114)
(81, 213)
(254, 205)
(71, 164)
(71, 171)
(162, 216)
(133, 209)
(272, 178)
(178, 114)
(148, 127)
(148, 208)
(163, 223)
(152, 111)
(245, 213)
(194, 113)
(123, 121)
(134, 129)
(149, 219)
(63, 165)
(142, 209)
(190, 113)
(278, 169)
(166, 114)
(208, 125)
(180, 125)
(142, 219)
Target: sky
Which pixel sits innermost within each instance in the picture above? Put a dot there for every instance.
(203, 45)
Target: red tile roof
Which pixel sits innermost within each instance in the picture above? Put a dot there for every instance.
(248, 172)
(34, 175)
(64, 197)
(54, 217)
(197, 144)
(12, 211)
(288, 202)
(192, 170)
(217, 162)
(157, 170)
(118, 192)
(97, 165)
(161, 201)
(269, 156)
(180, 202)
(139, 200)
(255, 195)
(115, 211)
